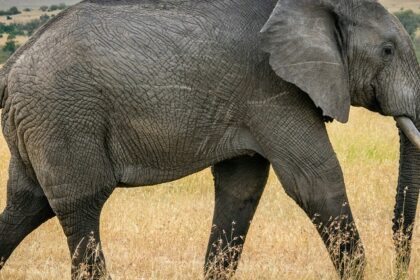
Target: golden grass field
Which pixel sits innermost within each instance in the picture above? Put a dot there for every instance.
(395, 5)
(26, 16)
(20, 40)
(161, 232)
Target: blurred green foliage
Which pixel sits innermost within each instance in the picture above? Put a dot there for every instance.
(10, 12)
(410, 20)
(18, 29)
(11, 46)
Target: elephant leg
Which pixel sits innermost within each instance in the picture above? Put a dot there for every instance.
(239, 184)
(303, 158)
(78, 178)
(80, 221)
(26, 209)
(323, 198)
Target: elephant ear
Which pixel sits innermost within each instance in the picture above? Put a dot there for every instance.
(305, 47)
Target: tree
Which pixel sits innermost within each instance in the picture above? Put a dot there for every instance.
(33, 25)
(44, 8)
(14, 11)
(53, 8)
(410, 20)
(44, 18)
(62, 6)
(11, 46)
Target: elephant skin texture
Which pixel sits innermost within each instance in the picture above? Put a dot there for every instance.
(123, 93)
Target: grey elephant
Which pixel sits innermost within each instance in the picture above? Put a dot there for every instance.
(140, 92)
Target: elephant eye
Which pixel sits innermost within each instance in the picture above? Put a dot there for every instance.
(388, 51)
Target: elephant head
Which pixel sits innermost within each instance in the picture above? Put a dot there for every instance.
(354, 52)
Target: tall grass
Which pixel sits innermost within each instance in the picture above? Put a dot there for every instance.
(161, 232)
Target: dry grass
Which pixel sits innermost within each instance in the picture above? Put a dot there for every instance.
(395, 5)
(26, 16)
(161, 232)
(20, 40)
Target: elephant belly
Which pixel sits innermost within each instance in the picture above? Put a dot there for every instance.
(158, 163)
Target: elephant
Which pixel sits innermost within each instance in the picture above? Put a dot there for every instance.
(124, 93)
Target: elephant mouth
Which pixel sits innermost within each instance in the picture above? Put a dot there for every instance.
(374, 104)
(409, 129)
(404, 123)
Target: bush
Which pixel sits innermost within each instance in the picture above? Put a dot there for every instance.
(62, 6)
(3, 56)
(44, 8)
(33, 25)
(44, 18)
(410, 20)
(11, 12)
(417, 46)
(11, 46)
(27, 10)
(22, 29)
(14, 11)
(53, 8)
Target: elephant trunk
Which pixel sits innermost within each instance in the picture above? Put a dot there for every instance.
(407, 193)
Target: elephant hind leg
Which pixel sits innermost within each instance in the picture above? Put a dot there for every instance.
(16, 225)
(79, 217)
(78, 178)
(239, 184)
(27, 208)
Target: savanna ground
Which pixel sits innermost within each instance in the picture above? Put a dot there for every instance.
(161, 232)
(395, 5)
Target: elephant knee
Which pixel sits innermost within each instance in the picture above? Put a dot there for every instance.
(317, 191)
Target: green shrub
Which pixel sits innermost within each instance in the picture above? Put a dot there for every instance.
(11, 12)
(33, 25)
(53, 8)
(417, 47)
(62, 6)
(3, 56)
(11, 46)
(410, 20)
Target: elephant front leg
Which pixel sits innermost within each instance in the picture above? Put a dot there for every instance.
(322, 196)
(296, 143)
(239, 184)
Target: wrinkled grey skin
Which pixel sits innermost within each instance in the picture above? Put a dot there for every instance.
(126, 93)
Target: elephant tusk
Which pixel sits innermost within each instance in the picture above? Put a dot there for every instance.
(409, 129)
